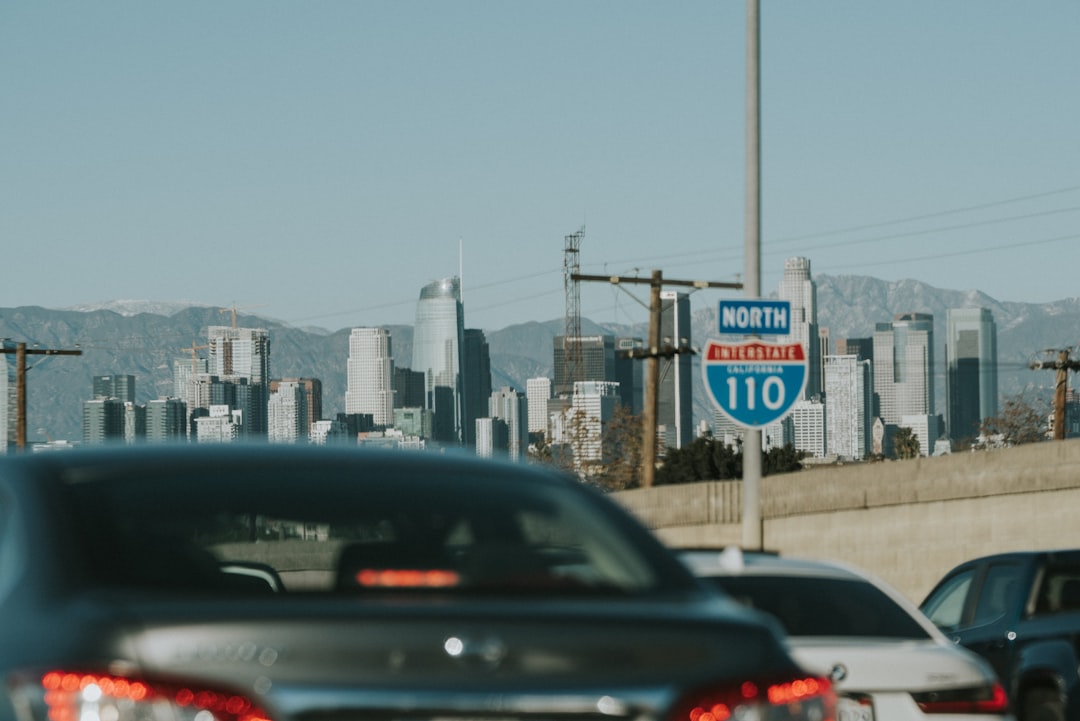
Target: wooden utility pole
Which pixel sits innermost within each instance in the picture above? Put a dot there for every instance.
(1062, 365)
(652, 353)
(21, 351)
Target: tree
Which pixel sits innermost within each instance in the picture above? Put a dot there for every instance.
(622, 451)
(906, 443)
(782, 460)
(1020, 421)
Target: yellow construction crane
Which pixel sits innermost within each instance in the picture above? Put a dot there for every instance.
(233, 308)
(195, 355)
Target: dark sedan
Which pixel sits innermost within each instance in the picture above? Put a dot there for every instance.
(252, 583)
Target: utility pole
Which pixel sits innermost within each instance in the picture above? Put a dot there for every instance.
(21, 351)
(1062, 365)
(652, 353)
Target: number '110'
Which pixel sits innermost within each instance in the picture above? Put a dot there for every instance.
(772, 392)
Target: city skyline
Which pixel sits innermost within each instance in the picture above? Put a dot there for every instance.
(386, 145)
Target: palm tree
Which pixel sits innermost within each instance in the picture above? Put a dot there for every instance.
(906, 443)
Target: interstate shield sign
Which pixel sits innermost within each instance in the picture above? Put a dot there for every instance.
(754, 383)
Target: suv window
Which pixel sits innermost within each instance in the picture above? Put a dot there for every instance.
(998, 592)
(945, 606)
(1059, 590)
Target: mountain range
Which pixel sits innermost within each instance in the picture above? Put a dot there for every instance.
(144, 339)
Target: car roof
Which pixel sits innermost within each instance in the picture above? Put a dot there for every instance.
(732, 560)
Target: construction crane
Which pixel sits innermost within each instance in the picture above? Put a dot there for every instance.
(195, 355)
(233, 308)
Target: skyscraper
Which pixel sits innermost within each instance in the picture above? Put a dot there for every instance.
(799, 289)
(476, 378)
(115, 386)
(370, 383)
(971, 372)
(849, 406)
(166, 420)
(287, 420)
(675, 399)
(904, 366)
(438, 338)
(509, 406)
(537, 394)
(243, 353)
(103, 420)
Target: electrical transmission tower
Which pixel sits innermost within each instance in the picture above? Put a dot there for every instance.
(572, 356)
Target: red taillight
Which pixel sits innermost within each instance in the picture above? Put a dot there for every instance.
(407, 578)
(801, 699)
(76, 696)
(982, 699)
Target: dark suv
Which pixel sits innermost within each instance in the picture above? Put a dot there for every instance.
(1021, 611)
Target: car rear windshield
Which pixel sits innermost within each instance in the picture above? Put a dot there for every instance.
(326, 530)
(809, 606)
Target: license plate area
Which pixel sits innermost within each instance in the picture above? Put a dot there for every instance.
(854, 707)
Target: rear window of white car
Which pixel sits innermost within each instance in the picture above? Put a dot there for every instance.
(809, 606)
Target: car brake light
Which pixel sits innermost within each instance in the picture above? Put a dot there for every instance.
(980, 699)
(76, 696)
(407, 578)
(801, 699)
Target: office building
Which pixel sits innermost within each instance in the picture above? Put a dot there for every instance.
(287, 419)
(415, 422)
(492, 437)
(849, 406)
(103, 421)
(510, 406)
(799, 289)
(600, 360)
(371, 375)
(327, 432)
(166, 420)
(476, 379)
(134, 422)
(675, 394)
(244, 353)
(121, 387)
(222, 424)
(630, 374)
(808, 418)
(537, 394)
(971, 371)
(438, 339)
(312, 394)
(581, 426)
(408, 388)
(903, 366)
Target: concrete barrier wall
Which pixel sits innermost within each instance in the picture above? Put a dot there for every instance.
(906, 521)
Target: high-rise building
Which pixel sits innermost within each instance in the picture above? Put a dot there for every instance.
(971, 372)
(799, 289)
(476, 378)
(510, 406)
(312, 395)
(121, 387)
(408, 388)
(581, 425)
(600, 360)
(630, 374)
(904, 366)
(537, 394)
(492, 437)
(103, 420)
(166, 420)
(849, 406)
(438, 339)
(287, 420)
(371, 375)
(244, 353)
(808, 419)
(221, 425)
(675, 395)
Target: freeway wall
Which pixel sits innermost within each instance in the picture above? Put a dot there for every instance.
(908, 522)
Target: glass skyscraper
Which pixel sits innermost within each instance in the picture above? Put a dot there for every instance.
(675, 396)
(438, 341)
(904, 366)
(799, 289)
(971, 373)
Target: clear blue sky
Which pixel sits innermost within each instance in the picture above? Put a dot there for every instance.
(322, 161)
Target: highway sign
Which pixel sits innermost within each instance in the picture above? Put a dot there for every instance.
(755, 317)
(754, 383)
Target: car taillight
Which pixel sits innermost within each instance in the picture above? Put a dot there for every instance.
(77, 696)
(980, 699)
(799, 699)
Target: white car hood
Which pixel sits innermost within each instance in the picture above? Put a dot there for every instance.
(875, 665)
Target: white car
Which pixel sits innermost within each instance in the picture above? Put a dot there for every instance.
(888, 662)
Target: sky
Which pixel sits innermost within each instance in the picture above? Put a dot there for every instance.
(320, 162)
